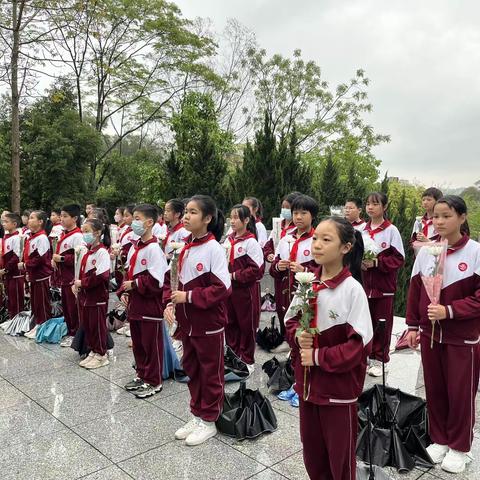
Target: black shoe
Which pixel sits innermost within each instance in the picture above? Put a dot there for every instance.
(135, 384)
(147, 390)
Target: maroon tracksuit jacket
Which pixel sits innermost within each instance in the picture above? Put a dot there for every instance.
(14, 280)
(146, 267)
(380, 283)
(66, 245)
(328, 418)
(37, 259)
(93, 297)
(296, 250)
(246, 267)
(451, 368)
(203, 274)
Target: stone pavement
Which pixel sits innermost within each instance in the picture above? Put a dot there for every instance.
(59, 421)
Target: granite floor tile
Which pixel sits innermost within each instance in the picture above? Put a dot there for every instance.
(10, 396)
(109, 473)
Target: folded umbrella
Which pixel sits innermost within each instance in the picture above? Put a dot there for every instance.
(280, 374)
(20, 324)
(270, 337)
(246, 414)
(52, 331)
(117, 317)
(79, 343)
(235, 369)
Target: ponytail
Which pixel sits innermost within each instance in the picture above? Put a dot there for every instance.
(46, 223)
(217, 225)
(98, 226)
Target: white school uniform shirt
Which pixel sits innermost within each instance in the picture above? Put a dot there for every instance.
(249, 246)
(179, 235)
(389, 237)
(149, 258)
(56, 231)
(99, 260)
(11, 244)
(39, 244)
(72, 241)
(304, 253)
(159, 230)
(262, 235)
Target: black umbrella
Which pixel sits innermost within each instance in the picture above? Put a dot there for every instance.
(235, 369)
(56, 296)
(270, 337)
(246, 414)
(393, 427)
(79, 342)
(116, 318)
(280, 374)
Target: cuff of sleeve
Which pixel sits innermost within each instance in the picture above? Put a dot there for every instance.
(410, 329)
(135, 284)
(189, 296)
(375, 262)
(233, 275)
(315, 356)
(449, 310)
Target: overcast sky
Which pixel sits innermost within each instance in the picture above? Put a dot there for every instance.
(422, 57)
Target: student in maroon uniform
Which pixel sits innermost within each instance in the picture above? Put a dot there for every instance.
(380, 277)
(286, 225)
(451, 368)
(176, 232)
(353, 211)
(294, 254)
(204, 285)
(336, 358)
(246, 268)
(428, 233)
(63, 261)
(14, 280)
(92, 292)
(142, 292)
(37, 258)
(256, 210)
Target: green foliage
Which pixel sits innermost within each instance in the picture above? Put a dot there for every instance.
(331, 189)
(57, 151)
(384, 184)
(5, 158)
(271, 169)
(471, 195)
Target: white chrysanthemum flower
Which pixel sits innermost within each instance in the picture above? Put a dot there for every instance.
(177, 246)
(305, 278)
(435, 250)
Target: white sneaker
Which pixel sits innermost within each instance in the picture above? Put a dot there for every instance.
(455, 461)
(251, 368)
(375, 368)
(201, 434)
(437, 452)
(127, 332)
(67, 341)
(110, 354)
(183, 432)
(86, 359)
(282, 348)
(97, 361)
(32, 333)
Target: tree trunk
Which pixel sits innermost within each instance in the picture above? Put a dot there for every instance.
(15, 110)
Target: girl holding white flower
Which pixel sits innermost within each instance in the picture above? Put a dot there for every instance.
(246, 267)
(451, 363)
(380, 276)
(330, 364)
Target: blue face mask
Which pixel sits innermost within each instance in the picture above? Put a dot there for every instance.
(138, 227)
(286, 214)
(88, 238)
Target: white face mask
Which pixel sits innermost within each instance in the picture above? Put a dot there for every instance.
(286, 214)
(118, 218)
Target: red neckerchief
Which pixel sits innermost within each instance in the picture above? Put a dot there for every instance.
(285, 229)
(426, 222)
(161, 223)
(26, 251)
(301, 238)
(85, 258)
(64, 236)
(368, 228)
(193, 243)
(356, 223)
(137, 247)
(460, 244)
(323, 285)
(235, 240)
(127, 230)
(176, 228)
(258, 220)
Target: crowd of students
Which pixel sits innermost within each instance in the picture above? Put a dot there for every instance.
(181, 267)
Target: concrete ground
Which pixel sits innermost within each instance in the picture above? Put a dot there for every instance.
(59, 421)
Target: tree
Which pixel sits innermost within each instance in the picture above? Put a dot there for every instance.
(384, 185)
(331, 188)
(201, 147)
(23, 32)
(293, 92)
(57, 150)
